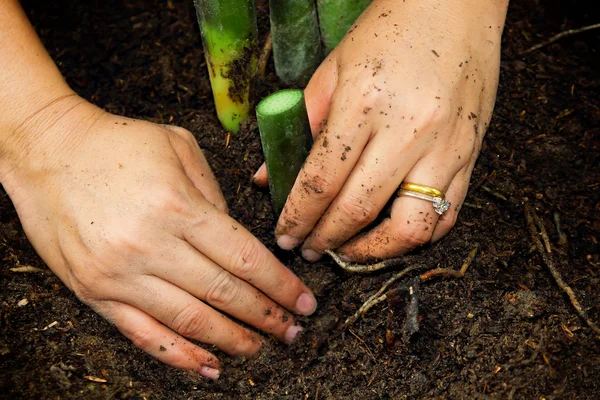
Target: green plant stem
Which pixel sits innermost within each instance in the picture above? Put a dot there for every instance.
(296, 40)
(335, 19)
(286, 140)
(229, 35)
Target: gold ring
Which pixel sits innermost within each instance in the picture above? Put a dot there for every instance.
(426, 190)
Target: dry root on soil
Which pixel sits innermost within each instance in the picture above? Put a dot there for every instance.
(560, 35)
(381, 294)
(536, 230)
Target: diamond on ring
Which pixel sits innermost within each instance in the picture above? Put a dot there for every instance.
(440, 205)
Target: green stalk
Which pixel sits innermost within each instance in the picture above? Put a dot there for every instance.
(336, 17)
(229, 35)
(286, 140)
(296, 40)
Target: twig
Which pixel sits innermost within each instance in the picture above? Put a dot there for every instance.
(363, 268)
(561, 35)
(451, 273)
(534, 220)
(562, 238)
(264, 57)
(379, 296)
(27, 268)
(494, 193)
(364, 344)
(543, 233)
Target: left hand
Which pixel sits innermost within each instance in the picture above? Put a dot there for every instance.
(407, 96)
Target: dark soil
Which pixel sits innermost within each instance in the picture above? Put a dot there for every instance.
(504, 330)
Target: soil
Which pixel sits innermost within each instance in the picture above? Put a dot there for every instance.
(504, 330)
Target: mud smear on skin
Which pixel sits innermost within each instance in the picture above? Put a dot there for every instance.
(505, 329)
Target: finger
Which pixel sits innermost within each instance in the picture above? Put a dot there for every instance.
(330, 162)
(457, 191)
(317, 94)
(199, 276)
(229, 245)
(412, 221)
(196, 166)
(374, 179)
(159, 341)
(261, 178)
(189, 317)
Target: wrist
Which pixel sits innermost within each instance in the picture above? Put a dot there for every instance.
(490, 14)
(32, 89)
(41, 139)
(456, 12)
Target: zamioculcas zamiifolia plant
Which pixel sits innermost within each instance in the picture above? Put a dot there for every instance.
(335, 19)
(229, 35)
(296, 40)
(286, 140)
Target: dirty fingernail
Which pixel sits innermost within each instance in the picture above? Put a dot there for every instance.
(287, 242)
(210, 372)
(310, 255)
(292, 332)
(306, 304)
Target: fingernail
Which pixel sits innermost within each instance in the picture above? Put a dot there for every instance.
(287, 242)
(306, 304)
(344, 257)
(310, 255)
(210, 372)
(291, 333)
(258, 172)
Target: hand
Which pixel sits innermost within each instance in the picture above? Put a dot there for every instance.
(406, 96)
(129, 215)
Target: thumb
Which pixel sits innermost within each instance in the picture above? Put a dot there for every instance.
(317, 95)
(195, 165)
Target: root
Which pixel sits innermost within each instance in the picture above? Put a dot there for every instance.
(537, 229)
(363, 268)
(381, 296)
(560, 35)
(450, 273)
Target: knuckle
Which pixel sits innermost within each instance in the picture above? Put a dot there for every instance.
(431, 116)
(415, 237)
(127, 241)
(245, 344)
(141, 338)
(358, 211)
(181, 132)
(248, 260)
(167, 200)
(317, 182)
(190, 322)
(223, 291)
(88, 283)
(84, 288)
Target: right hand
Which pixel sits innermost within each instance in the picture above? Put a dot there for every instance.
(129, 216)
